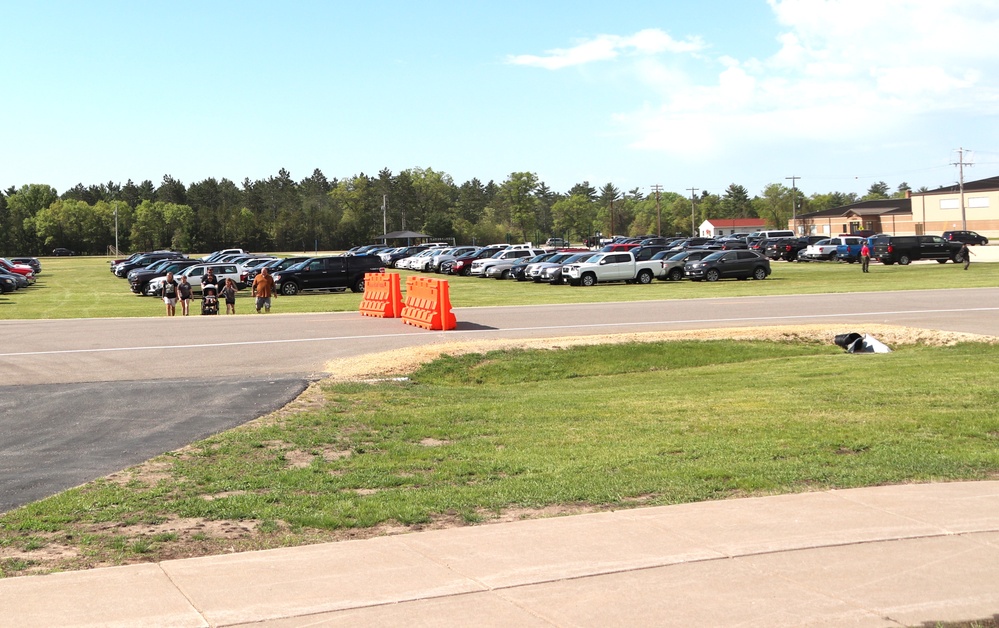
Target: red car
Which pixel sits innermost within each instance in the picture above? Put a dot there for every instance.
(20, 269)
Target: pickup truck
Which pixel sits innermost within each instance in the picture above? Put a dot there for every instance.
(614, 266)
(849, 249)
(904, 249)
(826, 249)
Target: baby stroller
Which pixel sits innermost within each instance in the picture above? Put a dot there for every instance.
(209, 299)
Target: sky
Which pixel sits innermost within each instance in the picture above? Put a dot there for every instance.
(839, 93)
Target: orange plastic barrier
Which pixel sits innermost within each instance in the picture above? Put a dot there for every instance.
(382, 295)
(428, 304)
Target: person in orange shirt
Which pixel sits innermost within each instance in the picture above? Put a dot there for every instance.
(263, 290)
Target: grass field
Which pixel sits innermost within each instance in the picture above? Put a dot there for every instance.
(74, 287)
(469, 438)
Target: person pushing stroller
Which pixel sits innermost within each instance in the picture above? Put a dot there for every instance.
(209, 293)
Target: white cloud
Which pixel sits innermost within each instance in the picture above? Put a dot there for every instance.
(844, 71)
(606, 47)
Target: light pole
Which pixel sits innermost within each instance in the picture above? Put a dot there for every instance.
(116, 249)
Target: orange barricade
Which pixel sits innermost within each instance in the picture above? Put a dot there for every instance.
(382, 295)
(428, 304)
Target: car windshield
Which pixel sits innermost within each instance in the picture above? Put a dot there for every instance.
(579, 257)
(712, 257)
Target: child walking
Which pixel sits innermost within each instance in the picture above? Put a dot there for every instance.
(229, 294)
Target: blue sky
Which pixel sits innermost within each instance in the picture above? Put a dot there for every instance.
(842, 93)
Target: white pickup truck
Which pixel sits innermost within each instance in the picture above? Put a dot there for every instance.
(613, 266)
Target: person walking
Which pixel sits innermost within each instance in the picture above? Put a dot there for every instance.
(865, 257)
(263, 289)
(965, 254)
(184, 294)
(229, 294)
(169, 294)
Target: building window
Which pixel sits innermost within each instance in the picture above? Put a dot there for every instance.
(978, 201)
(950, 203)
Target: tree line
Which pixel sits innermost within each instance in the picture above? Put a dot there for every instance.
(282, 214)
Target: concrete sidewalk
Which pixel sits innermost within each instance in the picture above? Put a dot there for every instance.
(907, 555)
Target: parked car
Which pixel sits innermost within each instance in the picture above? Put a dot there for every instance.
(729, 264)
(968, 237)
(556, 242)
(247, 277)
(480, 266)
(673, 263)
(788, 249)
(29, 261)
(339, 272)
(139, 278)
(905, 249)
(554, 274)
(848, 250)
(62, 252)
(20, 281)
(121, 270)
(194, 275)
(449, 255)
(7, 284)
(616, 266)
(463, 265)
(19, 269)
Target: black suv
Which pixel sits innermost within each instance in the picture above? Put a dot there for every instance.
(328, 273)
(121, 270)
(722, 264)
(968, 237)
(787, 249)
(138, 278)
(904, 249)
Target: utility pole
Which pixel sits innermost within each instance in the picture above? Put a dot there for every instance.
(794, 202)
(384, 214)
(659, 214)
(693, 227)
(960, 170)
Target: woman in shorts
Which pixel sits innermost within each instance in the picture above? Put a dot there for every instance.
(229, 294)
(169, 294)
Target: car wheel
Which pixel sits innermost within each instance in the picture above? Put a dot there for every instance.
(289, 288)
(904, 260)
(505, 274)
(676, 274)
(760, 273)
(358, 285)
(588, 280)
(645, 277)
(466, 272)
(958, 259)
(712, 275)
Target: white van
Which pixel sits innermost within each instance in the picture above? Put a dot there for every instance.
(770, 235)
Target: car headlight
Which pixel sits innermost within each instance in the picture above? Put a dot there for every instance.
(277, 277)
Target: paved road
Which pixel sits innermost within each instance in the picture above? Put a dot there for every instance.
(79, 394)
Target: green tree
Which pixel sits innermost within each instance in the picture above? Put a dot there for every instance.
(574, 215)
(735, 203)
(18, 230)
(774, 205)
(516, 197)
(877, 191)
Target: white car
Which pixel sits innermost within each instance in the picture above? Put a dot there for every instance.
(194, 274)
(480, 266)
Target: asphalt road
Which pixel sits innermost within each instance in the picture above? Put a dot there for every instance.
(82, 398)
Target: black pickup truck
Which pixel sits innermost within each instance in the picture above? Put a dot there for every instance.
(338, 272)
(787, 249)
(904, 249)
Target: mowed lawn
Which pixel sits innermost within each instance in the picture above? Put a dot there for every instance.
(467, 438)
(83, 287)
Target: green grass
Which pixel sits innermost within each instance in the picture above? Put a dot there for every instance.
(591, 427)
(83, 287)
